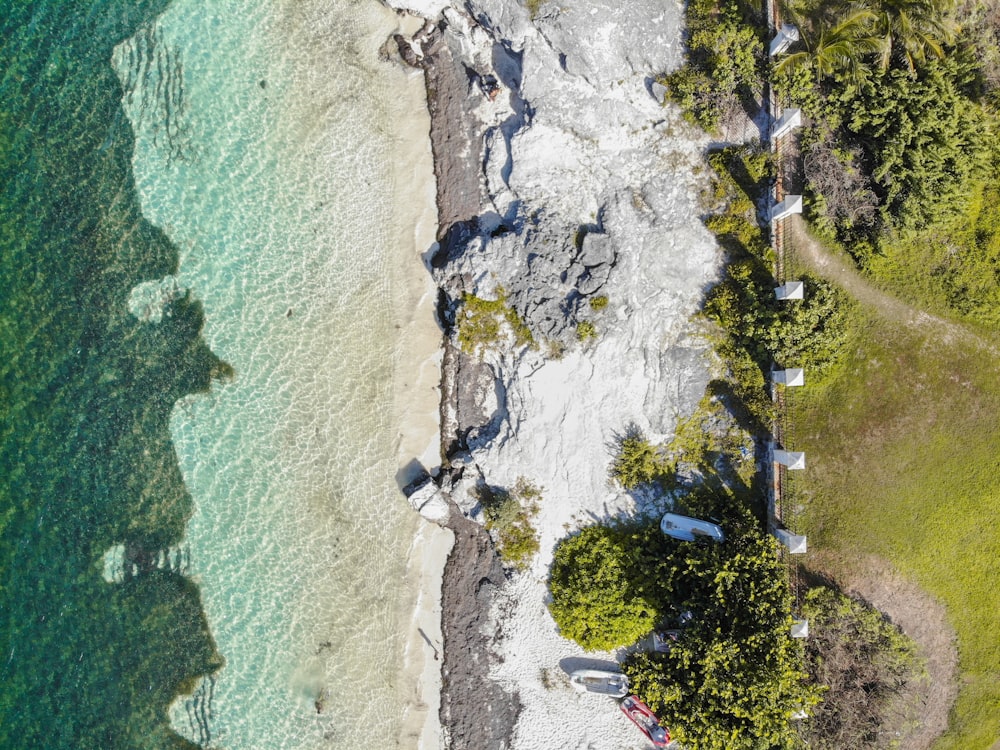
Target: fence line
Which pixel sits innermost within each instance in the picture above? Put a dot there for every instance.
(780, 489)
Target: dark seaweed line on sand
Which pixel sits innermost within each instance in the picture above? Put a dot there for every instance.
(476, 712)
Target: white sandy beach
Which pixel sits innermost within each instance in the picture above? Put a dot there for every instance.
(417, 401)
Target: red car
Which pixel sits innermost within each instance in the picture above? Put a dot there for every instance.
(646, 720)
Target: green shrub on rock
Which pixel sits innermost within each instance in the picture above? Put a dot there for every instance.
(509, 515)
(638, 461)
(483, 323)
(585, 330)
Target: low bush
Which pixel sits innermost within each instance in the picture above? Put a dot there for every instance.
(638, 461)
(484, 324)
(585, 330)
(865, 664)
(739, 178)
(533, 6)
(724, 61)
(509, 515)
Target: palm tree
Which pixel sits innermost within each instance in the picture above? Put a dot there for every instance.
(846, 43)
(912, 29)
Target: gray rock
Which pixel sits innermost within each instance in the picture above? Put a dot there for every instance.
(465, 494)
(481, 402)
(430, 502)
(597, 248)
(593, 279)
(538, 269)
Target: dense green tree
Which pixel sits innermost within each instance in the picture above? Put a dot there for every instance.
(733, 678)
(851, 40)
(924, 139)
(898, 139)
(715, 693)
(597, 599)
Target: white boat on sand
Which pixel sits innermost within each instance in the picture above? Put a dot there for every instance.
(689, 529)
(614, 684)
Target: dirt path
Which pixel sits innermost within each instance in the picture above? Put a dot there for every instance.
(924, 619)
(838, 270)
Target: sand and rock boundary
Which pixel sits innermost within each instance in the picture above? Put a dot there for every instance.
(561, 179)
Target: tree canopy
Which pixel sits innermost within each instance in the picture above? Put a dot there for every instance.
(898, 136)
(859, 37)
(923, 137)
(597, 599)
(732, 679)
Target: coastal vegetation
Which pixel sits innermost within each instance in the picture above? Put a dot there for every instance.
(533, 6)
(599, 302)
(724, 66)
(508, 515)
(638, 461)
(865, 666)
(732, 677)
(757, 331)
(484, 324)
(899, 167)
(585, 330)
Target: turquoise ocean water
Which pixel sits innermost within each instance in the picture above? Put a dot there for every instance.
(198, 351)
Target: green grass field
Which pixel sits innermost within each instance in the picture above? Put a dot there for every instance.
(903, 445)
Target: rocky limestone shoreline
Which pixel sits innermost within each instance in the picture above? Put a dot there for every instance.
(560, 180)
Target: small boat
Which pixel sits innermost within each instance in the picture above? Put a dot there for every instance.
(689, 529)
(646, 720)
(614, 684)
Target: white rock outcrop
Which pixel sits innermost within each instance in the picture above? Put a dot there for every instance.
(590, 190)
(430, 502)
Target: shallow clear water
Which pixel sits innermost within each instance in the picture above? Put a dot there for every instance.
(196, 357)
(263, 150)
